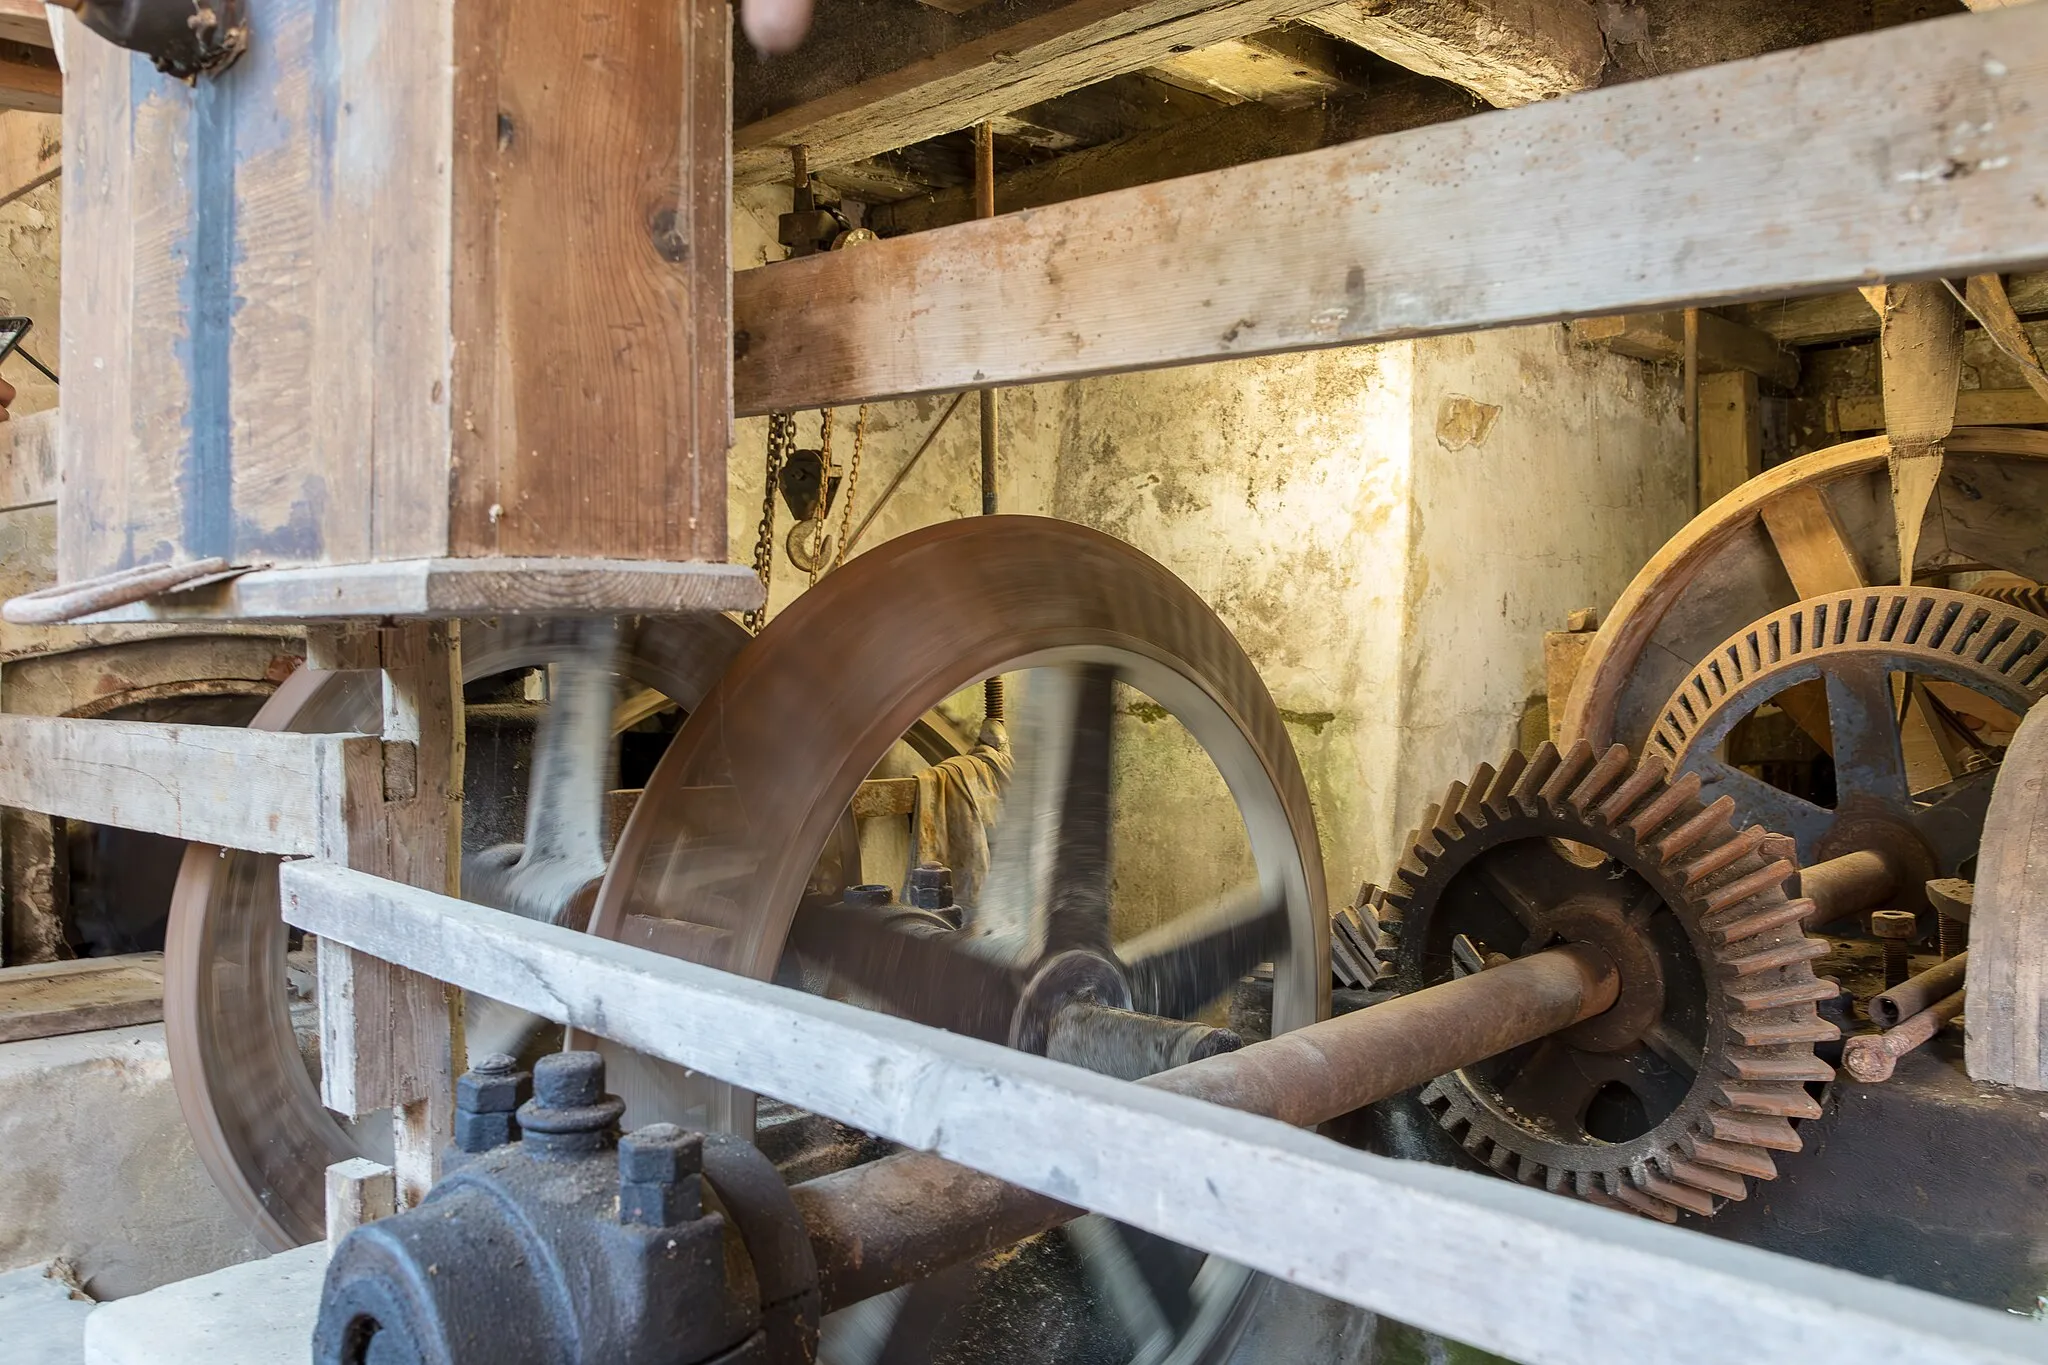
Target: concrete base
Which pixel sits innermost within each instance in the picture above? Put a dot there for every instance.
(96, 1166)
(40, 1322)
(258, 1313)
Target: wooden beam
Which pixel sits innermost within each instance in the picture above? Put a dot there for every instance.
(1642, 196)
(2007, 1038)
(259, 790)
(1731, 433)
(1567, 1283)
(1848, 317)
(1076, 44)
(450, 588)
(25, 21)
(1221, 138)
(82, 996)
(1286, 68)
(1724, 345)
(1974, 408)
(1507, 52)
(30, 78)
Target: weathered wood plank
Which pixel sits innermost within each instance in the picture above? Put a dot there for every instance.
(1072, 46)
(1284, 67)
(1479, 223)
(1507, 52)
(1566, 1283)
(29, 77)
(1845, 317)
(1724, 345)
(1731, 434)
(456, 588)
(1974, 408)
(25, 21)
(250, 789)
(81, 996)
(2007, 1023)
(359, 1191)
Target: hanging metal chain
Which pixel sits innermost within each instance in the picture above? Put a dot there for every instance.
(781, 441)
(860, 440)
(817, 547)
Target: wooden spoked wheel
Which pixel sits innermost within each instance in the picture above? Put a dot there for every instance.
(1819, 524)
(712, 867)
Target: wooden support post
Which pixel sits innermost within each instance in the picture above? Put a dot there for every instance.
(359, 1191)
(391, 1038)
(1731, 427)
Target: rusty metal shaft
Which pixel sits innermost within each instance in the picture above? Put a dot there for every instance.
(906, 1217)
(1847, 885)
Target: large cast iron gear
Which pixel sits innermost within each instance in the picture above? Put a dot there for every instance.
(1682, 1090)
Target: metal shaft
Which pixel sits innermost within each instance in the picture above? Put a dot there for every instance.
(897, 1220)
(1847, 885)
(1870, 1057)
(1908, 998)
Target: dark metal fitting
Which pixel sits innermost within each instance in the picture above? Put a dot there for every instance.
(931, 886)
(660, 1184)
(868, 895)
(182, 39)
(569, 1114)
(486, 1098)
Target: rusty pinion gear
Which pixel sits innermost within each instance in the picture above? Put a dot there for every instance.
(1682, 1090)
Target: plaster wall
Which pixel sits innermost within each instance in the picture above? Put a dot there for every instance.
(1388, 530)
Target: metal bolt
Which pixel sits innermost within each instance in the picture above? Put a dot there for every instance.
(1898, 929)
(569, 1114)
(660, 1176)
(486, 1097)
(931, 886)
(868, 895)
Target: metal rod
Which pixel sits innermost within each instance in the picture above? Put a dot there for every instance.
(898, 1220)
(985, 207)
(1915, 994)
(1848, 885)
(1692, 398)
(926, 444)
(1870, 1057)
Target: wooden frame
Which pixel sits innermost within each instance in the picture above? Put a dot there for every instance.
(1541, 1279)
(1918, 151)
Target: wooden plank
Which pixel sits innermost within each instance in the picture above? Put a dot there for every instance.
(81, 996)
(1205, 141)
(1974, 408)
(1285, 67)
(1846, 317)
(1566, 1283)
(452, 588)
(1724, 345)
(1731, 434)
(252, 789)
(25, 21)
(2007, 1023)
(1507, 52)
(1074, 45)
(28, 461)
(30, 78)
(31, 146)
(1811, 543)
(1479, 223)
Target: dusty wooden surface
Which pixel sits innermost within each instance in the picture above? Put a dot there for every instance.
(1564, 1283)
(1477, 223)
(1507, 52)
(1731, 434)
(2007, 1019)
(1724, 345)
(81, 996)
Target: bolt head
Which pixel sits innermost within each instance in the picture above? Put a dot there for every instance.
(490, 1086)
(1895, 924)
(868, 895)
(568, 1080)
(660, 1152)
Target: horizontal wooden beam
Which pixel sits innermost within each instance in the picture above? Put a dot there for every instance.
(261, 790)
(1974, 408)
(30, 78)
(1566, 1283)
(1724, 345)
(49, 999)
(1507, 52)
(1643, 196)
(1074, 45)
(448, 588)
(1285, 67)
(25, 21)
(1849, 317)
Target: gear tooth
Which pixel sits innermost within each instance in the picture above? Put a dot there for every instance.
(1500, 792)
(1586, 1182)
(1807, 1027)
(1530, 1171)
(1678, 796)
(1740, 1158)
(1801, 1065)
(1553, 1179)
(1769, 877)
(1685, 1196)
(1752, 1130)
(1541, 765)
(1473, 807)
(1605, 773)
(1501, 1160)
(1724, 1184)
(1790, 914)
(1810, 991)
(1644, 780)
(1784, 955)
(1697, 828)
(1443, 817)
(1569, 769)
(1738, 847)
(1773, 1101)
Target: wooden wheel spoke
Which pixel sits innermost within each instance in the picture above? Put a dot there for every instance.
(920, 977)
(1077, 901)
(1863, 721)
(1182, 965)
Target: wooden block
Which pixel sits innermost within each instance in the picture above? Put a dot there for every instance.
(407, 281)
(1499, 219)
(25, 21)
(1567, 1284)
(359, 1191)
(260, 790)
(1563, 652)
(1731, 433)
(81, 996)
(1724, 345)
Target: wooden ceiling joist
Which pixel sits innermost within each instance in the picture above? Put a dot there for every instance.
(1849, 317)
(1629, 199)
(1507, 52)
(25, 21)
